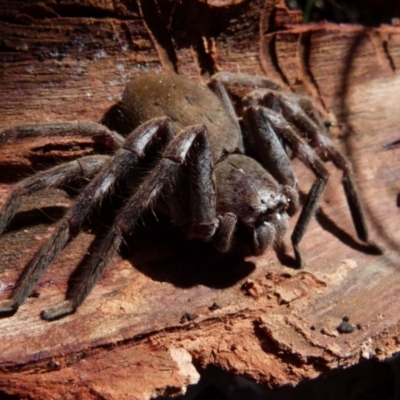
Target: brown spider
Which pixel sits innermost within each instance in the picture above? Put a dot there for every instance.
(202, 180)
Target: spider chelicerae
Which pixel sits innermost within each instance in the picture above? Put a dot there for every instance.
(204, 179)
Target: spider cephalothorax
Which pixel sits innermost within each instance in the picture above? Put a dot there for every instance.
(204, 179)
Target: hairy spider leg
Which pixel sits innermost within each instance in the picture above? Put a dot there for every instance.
(313, 132)
(99, 133)
(102, 184)
(259, 117)
(85, 167)
(268, 149)
(190, 142)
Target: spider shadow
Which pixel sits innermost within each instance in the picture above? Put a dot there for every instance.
(285, 259)
(329, 225)
(164, 254)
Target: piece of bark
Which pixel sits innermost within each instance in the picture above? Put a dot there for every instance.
(132, 337)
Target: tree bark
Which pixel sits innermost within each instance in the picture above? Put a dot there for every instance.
(70, 60)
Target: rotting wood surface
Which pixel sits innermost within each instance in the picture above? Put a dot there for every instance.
(65, 61)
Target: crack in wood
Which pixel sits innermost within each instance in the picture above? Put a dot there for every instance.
(205, 51)
(304, 50)
(160, 34)
(268, 51)
(385, 43)
(381, 49)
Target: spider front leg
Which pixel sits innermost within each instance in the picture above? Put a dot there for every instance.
(101, 185)
(266, 123)
(191, 142)
(310, 125)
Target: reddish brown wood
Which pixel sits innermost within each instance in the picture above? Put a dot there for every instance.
(65, 61)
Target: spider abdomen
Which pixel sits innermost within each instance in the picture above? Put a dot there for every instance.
(186, 103)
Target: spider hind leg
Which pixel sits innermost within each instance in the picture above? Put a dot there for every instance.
(112, 170)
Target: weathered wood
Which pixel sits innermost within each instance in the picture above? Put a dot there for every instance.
(274, 324)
